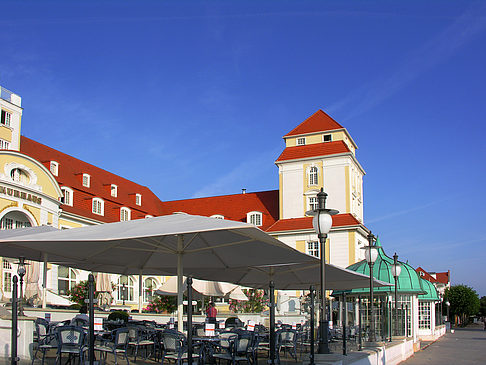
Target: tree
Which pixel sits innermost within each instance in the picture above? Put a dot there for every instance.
(482, 306)
(256, 303)
(464, 302)
(162, 303)
(79, 293)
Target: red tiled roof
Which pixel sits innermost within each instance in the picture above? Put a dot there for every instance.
(70, 174)
(313, 150)
(425, 275)
(317, 122)
(443, 277)
(232, 207)
(292, 224)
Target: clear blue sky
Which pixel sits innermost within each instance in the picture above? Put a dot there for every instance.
(193, 98)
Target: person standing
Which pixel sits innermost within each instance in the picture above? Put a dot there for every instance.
(211, 313)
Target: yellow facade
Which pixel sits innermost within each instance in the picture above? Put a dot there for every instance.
(352, 247)
(5, 133)
(348, 189)
(300, 245)
(66, 223)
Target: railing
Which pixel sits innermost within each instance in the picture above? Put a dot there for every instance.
(9, 96)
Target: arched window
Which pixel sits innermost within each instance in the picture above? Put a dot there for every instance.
(128, 281)
(66, 279)
(98, 206)
(124, 214)
(68, 196)
(149, 286)
(313, 176)
(14, 220)
(254, 218)
(19, 175)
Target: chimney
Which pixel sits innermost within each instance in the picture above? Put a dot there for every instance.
(243, 191)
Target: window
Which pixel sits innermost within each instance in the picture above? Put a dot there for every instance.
(7, 223)
(313, 204)
(98, 206)
(254, 218)
(7, 282)
(68, 196)
(149, 216)
(86, 180)
(114, 190)
(54, 168)
(313, 175)
(6, 117)
(301, 141)
(66, 279)
(424, 315)
(19, 175)
(312, 248)
(149, 286)
(128, 281)
(124, 214)
(138, 199)
(327, 138)
(4, 145)
(217, 216)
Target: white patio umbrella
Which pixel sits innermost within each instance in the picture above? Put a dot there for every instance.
(32, 274)
(165, 245)
(103, 286)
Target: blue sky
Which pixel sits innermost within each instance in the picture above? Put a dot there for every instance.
(193, 98)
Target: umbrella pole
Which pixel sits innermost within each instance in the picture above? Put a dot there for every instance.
(189, 320)
(180, 287)
(140, 291)
(44, 283)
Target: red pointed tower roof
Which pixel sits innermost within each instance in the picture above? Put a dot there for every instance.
(317, 122)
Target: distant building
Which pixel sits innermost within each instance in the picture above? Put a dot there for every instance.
(441, 280)
(42, 186)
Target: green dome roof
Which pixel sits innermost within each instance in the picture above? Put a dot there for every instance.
(430, 289)
(408, 282)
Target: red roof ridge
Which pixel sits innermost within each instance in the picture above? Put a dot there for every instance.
(291, 224)
(221, 196)
(314, 150)
(320, 121)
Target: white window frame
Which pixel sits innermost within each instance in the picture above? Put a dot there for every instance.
(138, 199)
(67, 192)
(72, 278)
(4, 145)
(300, 141)
(86, 180)
(114, 190)
(130, 288)
(313, 248)
(8, 274)
(312, 203)
(54, 168)
(125, 214)
(98, 206)
(7, 119)
(255, 218)
(424, 314)
(148, 292)
(217, 216)
(313, 175)
(324, 137)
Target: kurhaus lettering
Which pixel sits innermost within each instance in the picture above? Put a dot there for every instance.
(20, 194)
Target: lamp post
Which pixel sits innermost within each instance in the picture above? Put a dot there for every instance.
(21, 271)
(371, 254)
(396, 269)
(448, 304)
(322, 223)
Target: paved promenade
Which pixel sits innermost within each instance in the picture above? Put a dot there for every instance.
(465, 346)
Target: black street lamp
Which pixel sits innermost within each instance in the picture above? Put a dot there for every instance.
(21, 270)
(396, 269)
(371, 254)
(322, 223)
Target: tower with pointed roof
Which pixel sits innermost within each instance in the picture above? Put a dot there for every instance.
(320, 152)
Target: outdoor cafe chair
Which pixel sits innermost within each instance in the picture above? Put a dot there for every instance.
(45, 340)
(288, 342)
(117, 346)
(71, 341)
(175, 347)
(235, 346)
(140, 337)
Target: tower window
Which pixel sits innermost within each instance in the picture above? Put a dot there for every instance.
(138, 199)
(98, 206)
(124, 214)
(313, 176)
(313, 204)
(86, 180)
(301, 141)
(54, 167)
(327, 138)
(6, 117)
(4, 145)
(114, 190)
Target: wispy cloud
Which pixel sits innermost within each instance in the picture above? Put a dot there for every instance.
(441, 47)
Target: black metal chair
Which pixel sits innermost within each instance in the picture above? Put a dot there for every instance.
(117, 346)
(140, 337)
(175, 347)
(288, 342)
(45, 340)
(71, 341)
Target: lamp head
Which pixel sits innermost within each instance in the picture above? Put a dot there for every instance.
(371, 254)
(21, 268)
(396, 268)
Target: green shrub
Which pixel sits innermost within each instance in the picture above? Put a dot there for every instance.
(113, 316)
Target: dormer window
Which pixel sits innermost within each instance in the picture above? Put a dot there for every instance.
(138, 199)
(301, 141)
(86, 180)
(124, 214)
(6, 117)
(98, 206)
(67, 196)
(217, 216)
(254, 218)
(327, 138)
(114, 190)
(54, 167)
